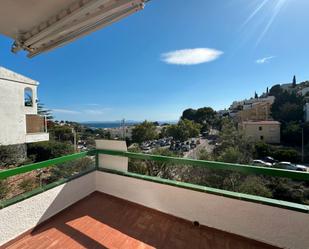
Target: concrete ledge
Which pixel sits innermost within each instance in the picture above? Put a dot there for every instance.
(37, 137)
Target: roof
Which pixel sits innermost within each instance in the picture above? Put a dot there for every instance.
(264, 122)
(15, 77)
(38, 26)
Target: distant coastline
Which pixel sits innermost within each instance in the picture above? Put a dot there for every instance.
(104, 125)
(116, 124)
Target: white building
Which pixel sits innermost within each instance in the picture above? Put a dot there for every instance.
(303, 91)
(20, 123)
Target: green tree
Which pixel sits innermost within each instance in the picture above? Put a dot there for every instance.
(287, 107)
(233, 143)
(183, 130)
(275, 90)
(144, 132)
(292, 133)
(44, 112)
(62, 133)
(189, 114)
(294, 82)
(205, 116)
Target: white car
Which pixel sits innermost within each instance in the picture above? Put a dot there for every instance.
(261, 163)
(290, 166)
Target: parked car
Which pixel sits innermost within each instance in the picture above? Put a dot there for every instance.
(185, 147)
(192, 145)
(261, 163)
(291, 166)
(270, 159)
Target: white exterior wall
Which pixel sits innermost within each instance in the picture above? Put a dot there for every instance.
(25, 215)
(12, 109)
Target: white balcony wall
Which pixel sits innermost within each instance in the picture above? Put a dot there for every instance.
(272, 225)
(25, 215)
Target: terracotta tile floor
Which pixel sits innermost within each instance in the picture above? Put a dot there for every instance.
(103, 221)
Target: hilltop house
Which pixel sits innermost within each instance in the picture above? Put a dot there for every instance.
(254, 109)
(266, 131)
(20, 123)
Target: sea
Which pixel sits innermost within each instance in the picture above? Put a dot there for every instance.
(117, 124)
(97, 125)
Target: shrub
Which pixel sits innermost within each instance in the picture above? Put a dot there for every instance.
(289, 155)
(69, 169)
(255, 186)
(47, 150)
(12, 155)
(28, 184)
(4, 189)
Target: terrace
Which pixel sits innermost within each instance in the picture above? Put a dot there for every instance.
(104, 205)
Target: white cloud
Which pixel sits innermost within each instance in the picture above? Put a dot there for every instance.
(191, 56)
(97, 111)
(65, 111)
(264, 60)
(92, 104)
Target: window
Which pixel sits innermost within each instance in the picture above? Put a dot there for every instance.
(28, 97)
(262, 137)
(260, 128)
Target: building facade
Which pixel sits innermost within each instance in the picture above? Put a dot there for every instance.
(265, 131)
(20, 122)
(253, 109)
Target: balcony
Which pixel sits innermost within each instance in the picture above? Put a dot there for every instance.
(106, 206)
(36, 128)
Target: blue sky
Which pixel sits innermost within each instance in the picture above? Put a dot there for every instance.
(173, 55)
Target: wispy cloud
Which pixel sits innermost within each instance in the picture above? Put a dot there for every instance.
(264, 60)
(97, 111)
(90, 111)
(92, 104)
(65, 111)
(191, 56)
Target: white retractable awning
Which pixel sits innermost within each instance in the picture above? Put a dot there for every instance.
(41, 25)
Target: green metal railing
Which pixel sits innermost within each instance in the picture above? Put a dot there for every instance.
(35, 166)
(174, 161)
